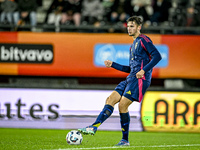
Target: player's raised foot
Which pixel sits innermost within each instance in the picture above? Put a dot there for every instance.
(88, 130)
(123, 143)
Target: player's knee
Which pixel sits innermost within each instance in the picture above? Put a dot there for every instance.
(123, 108)
(111, 101)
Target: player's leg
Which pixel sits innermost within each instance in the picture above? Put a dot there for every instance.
(104, 114)
(129, 94)
(108, 108)
(124, 120)
(134, 91)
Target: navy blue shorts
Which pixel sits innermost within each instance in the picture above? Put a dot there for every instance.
(133, 88)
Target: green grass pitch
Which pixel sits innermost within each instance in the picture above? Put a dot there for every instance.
(36, 139)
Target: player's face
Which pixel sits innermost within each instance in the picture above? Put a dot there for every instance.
(132, 28)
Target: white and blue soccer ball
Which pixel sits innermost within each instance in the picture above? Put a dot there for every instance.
(74, 137)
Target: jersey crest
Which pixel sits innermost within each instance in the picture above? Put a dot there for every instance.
(132, 53)
(136, 44)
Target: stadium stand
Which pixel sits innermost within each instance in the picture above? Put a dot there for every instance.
(173, 24)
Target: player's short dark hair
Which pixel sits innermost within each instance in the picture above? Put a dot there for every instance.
(138, 20)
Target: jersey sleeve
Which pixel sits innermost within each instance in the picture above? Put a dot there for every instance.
(121, 67)
(153, 53)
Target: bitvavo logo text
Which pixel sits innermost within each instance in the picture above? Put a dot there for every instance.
(26, 53)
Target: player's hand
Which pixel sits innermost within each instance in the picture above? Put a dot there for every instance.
(108, 63)
(140, 74)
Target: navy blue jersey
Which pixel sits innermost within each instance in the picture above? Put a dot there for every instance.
(143, 55)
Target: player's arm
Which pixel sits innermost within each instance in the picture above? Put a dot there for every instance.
(117, 66)
(154, 53)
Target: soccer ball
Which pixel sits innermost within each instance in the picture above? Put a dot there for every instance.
(74, 137)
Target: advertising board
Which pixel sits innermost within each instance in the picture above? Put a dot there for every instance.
(60, 109)
(82, 54)
(72, 109)
(171, 111)
(119, 53)
(26, 53)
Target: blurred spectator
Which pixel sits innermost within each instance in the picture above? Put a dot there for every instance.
(27, 11)
(1, 1)
(108, 6)
(72, 12)
(186, 15)
(139, 9)
(39, 2)
(121, 11)
(192, 16)
(176, 12)
(8, 8)
(54, 12)
(160, 10)
(92, 11)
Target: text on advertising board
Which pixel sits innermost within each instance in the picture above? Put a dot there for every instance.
(26, 53)
(119, 53)
(171, 111)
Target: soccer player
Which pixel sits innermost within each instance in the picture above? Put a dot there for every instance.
(143, 57)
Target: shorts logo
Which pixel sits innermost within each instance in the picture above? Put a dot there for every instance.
(129, 92)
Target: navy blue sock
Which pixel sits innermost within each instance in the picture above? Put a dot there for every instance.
(105, 113)
(125, 121)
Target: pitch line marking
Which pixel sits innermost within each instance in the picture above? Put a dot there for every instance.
(120, 147)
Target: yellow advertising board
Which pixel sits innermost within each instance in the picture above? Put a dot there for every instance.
(171, 111)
